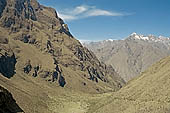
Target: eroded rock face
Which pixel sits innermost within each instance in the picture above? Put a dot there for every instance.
(17, 10)
(53, 76)
(7, 102)
(2, 6)
(27, 67)
(61, 81)
(7, 63)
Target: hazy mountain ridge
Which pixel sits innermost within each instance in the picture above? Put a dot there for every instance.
(132, 55)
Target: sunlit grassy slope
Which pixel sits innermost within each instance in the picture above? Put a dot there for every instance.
(149, 93)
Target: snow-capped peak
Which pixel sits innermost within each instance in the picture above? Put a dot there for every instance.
(134, 33)
(136, 36)
(111, 40)
(163, 38)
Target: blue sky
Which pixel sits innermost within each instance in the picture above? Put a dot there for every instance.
(113, 19)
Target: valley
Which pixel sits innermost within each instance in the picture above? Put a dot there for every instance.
(45, 69)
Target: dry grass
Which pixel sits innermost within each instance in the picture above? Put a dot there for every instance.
(148, 93)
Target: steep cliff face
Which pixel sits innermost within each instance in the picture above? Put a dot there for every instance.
(42, 47)
(7, 66)
(7, 60)
(2, 6)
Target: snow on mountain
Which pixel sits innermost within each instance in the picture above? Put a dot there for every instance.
(110, 40)
(133, 36)
(151, 38)
(133, 54)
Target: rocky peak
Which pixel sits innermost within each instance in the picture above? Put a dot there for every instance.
(133, 34)
(17, 14)
(16, 11)
(138, 36)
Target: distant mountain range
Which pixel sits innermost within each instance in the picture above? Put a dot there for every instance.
(132, 55)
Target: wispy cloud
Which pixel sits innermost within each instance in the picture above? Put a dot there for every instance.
(80, 9)
(85, 11)
(100, 12)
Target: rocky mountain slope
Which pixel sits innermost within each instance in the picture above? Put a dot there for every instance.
(148, 93)
(40, 60)
(133, 55)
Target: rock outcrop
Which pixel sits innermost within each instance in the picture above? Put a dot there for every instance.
(7, 102)
(7, 62)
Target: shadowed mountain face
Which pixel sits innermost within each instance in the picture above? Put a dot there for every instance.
(133, 55)
(7, 103)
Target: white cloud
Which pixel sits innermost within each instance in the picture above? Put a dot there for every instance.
(85, 11)
(80, 9)
(99, 12)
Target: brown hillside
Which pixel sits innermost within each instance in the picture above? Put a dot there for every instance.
(40, 61)
(148, 93)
